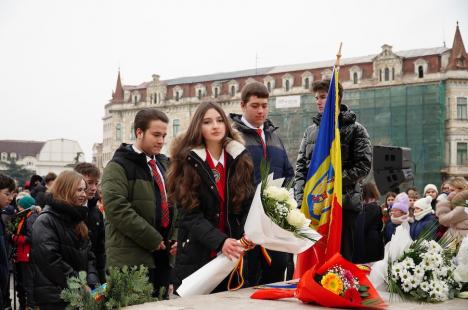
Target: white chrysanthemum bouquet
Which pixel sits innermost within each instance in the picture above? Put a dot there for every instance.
(274, 221)
(423, 273)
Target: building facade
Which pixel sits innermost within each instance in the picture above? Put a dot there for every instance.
(415, 98)
(41, 157)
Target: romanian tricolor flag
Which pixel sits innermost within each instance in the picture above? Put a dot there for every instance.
(322, 200)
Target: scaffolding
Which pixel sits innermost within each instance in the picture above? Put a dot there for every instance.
(408, 115)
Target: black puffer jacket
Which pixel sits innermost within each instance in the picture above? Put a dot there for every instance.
(198, 234)
(57, 252)
(356, 153)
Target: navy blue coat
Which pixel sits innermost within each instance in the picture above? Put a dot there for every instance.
(417, 227)
(276, 153)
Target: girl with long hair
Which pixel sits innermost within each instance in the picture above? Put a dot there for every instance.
(210, 179)
(60, 243)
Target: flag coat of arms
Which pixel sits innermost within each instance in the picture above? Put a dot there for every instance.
(322, 200)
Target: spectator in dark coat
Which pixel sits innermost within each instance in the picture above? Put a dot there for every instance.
(41, 196)
(7, 186)
(35, 185)
(369, 245)
(95, 219)
(60, 243)
(423, 217)
(398, 215)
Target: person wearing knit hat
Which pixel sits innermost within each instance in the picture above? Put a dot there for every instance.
(431, 190)
(26, 202)
(22, 241)
(423, 217)
(398, 215)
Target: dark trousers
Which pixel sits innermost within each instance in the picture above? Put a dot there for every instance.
(347, 233)
(24, 284)
(160, 276)
(259, 272)
(57, 306)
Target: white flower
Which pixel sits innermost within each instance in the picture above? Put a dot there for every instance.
(419, 271)
(276, 193)
(408, 263)
(292, 203)
(406, 287)
(424, 286)
(296, 218)
(461, 273)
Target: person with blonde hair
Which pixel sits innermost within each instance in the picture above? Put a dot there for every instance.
(60, 243)
(457, 184)
(210, 179)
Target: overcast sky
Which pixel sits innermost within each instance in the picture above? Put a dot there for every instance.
(59, 59)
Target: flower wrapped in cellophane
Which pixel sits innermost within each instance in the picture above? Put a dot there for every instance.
(273, 222)
(337, 283)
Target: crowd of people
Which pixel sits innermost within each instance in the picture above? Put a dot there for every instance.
(173, 215)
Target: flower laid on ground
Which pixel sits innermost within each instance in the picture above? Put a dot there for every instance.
(337, 283)
(424, 272)
(342, 282)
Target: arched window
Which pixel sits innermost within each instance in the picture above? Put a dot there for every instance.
(4, 156)
(233, 90)
(387, 74)
(175, 127)
(380, 75)
(199, 94)
(132, 132)
(306, 83)
(286, 86)
(118, 132)
(355, 78)
(135, 99)
(420, 72)
(269, 86)
(177, 96)
(216, 93)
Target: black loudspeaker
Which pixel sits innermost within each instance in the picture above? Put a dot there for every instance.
(392, 166)
(391, 157)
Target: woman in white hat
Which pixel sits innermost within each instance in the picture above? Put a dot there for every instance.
(423, 217)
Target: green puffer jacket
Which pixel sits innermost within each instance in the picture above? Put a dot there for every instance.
(132, 219)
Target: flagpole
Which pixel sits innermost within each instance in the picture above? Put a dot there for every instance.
(338, 56)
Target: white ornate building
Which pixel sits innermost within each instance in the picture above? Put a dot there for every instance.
(41, 157)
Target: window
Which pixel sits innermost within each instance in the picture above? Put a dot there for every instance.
(462, 108)
(13, 155)
(4, 156)
(462, 153)
(393, 74)
(233, 90)
(151, 98)
(177, 96)
(132, 132)
(199, 94)
(387, 74)
(306, 83)
(355, 78)
(420, 72)
(118, 132)
(135, 99)
(175, 127)
(269, 87)
(286, 85)
(216, 92)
